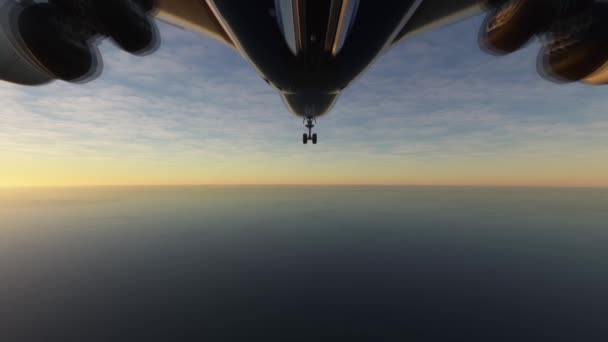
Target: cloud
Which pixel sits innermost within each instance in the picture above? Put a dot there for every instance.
(432, 98)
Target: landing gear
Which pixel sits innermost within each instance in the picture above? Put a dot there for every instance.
(309, 123)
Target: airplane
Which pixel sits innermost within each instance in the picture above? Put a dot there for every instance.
(309, 50)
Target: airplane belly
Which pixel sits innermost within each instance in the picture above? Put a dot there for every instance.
(311, 68)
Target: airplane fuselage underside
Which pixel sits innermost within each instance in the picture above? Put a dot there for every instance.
(324, 53)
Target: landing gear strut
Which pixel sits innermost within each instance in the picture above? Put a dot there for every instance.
(309, 123)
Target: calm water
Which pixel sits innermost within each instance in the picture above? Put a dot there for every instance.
(303, 264)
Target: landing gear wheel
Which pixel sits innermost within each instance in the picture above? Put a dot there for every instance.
(65, 56)
(309, 123)
(128, 24)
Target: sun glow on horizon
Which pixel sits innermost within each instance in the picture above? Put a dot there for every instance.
(46, 171)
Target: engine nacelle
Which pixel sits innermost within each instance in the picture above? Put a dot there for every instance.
(17, 65)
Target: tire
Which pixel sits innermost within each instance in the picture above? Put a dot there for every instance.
(305, 138)
(128, 24)
(314, 138)
(61, 54)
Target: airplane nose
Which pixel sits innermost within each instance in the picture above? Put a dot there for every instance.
(310, 104)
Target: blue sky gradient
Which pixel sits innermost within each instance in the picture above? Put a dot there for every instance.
(433, 110)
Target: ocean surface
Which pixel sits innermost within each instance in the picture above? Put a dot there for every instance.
(295, 263)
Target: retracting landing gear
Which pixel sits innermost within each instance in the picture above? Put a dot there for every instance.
(309, 123)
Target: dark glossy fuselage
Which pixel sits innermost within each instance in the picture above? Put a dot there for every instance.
(311, 79)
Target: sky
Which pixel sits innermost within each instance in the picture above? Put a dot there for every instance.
(434, 110)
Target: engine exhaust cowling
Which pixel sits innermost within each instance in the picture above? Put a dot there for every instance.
(17, 65)
(579, 49)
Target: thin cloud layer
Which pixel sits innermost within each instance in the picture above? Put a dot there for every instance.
(434, 98)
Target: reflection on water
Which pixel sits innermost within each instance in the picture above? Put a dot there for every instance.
(303, 263)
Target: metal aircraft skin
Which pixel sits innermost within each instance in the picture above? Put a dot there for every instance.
(309, 50)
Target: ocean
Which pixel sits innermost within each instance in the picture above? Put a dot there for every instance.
(303, 263)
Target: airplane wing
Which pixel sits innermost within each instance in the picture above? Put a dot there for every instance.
(197, 16)
(193, 15)
(433, 14)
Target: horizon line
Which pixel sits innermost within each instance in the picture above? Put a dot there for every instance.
(447, 185)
